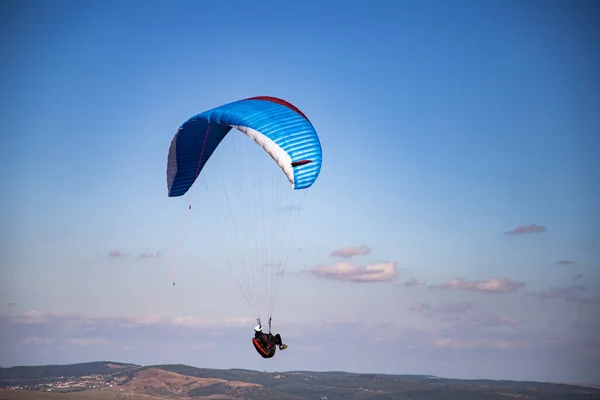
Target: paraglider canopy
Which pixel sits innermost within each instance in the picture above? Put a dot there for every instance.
(282, 130)
(252, 188)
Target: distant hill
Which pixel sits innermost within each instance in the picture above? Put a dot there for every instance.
(53, 371)
(112, 380)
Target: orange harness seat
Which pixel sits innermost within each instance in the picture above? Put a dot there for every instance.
(265, 353)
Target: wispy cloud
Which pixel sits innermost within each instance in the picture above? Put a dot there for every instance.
(465, 313)
(150, 255)
(34, 317)
(524, 229)
(380, 272)
(453, 308)
(419, 306)
(492, 285)
(143, 255)
(495, 344)
(451, 311)
(568, 293)
(88, 341)
(352, 251)
(557, 292)
(565, 262)
(289, 208)
(35, 339)
(87, 330)
(487, 319)
(579, 299)
(11, 304)
(578, 276)
(413, 282)
(310, 249)
(41, 338)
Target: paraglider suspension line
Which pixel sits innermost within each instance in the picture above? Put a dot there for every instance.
(259, 324)
(190, 205)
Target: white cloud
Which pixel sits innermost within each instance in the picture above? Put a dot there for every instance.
(88, 341)
(381, 272)
(492, 285)
(352, 251)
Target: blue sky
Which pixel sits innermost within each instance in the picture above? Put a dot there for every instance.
(444, 126)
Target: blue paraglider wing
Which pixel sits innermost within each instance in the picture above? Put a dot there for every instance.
(282, 130)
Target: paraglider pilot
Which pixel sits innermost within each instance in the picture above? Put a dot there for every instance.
(266, 343)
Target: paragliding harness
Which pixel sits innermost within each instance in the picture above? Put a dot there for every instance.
(269, 350)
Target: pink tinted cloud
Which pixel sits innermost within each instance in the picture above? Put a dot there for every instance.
(380, 272)
(492, 285)
(524, 229)
(555, 292)
(347, 252)
(114, 253)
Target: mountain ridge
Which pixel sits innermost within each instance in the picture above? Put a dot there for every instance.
(179, 381)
